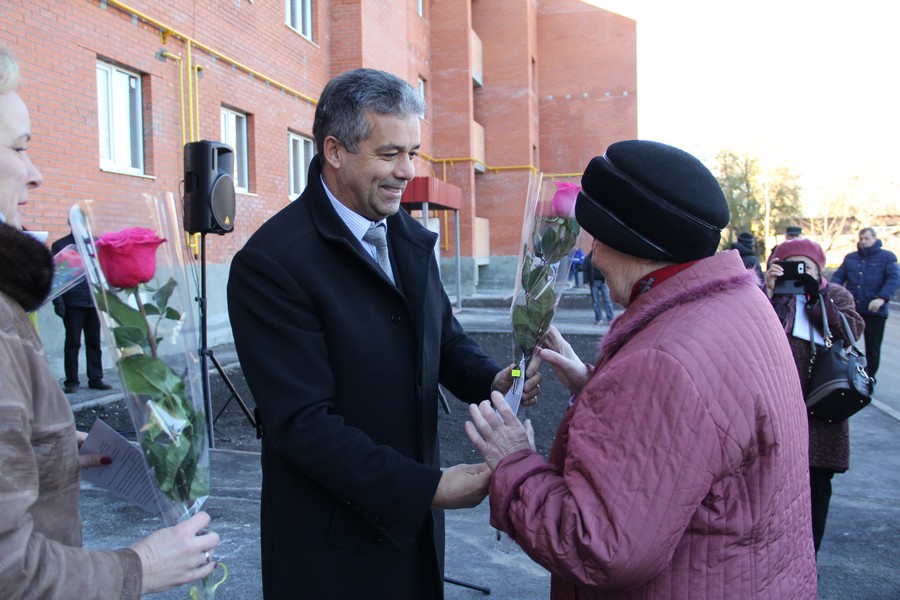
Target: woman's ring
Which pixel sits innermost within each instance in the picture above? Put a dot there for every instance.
(206, 554)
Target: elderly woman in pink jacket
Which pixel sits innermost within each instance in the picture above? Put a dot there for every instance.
(680, 468)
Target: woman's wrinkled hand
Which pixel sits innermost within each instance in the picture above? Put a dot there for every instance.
(569, 369)
(496, 432)
(772, 274)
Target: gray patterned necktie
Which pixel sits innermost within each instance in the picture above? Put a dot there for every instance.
(377, 236)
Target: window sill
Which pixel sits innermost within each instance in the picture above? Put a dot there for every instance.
(129, 173)
(305, 38)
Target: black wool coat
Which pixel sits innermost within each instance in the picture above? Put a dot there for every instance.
(344, 368)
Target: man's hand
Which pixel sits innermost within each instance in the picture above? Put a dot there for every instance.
(60, 309)
(876, 304)
(462, 486)
(498, 433)
(504, 380)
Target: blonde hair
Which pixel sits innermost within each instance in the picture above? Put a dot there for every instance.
(9, 70)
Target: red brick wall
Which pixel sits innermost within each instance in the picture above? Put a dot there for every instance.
(59, 43)
(588, 83)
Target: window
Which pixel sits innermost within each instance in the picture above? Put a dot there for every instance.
(420, 8)
(121, 124)
(300, 153)
(422, 94)
(298, 16)
(234, 133)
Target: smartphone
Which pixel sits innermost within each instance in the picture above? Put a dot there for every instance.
(788, 283)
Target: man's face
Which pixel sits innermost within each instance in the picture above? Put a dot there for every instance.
(866, 239)
(371, 181)
(17, 173)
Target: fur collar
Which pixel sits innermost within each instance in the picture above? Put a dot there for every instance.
(708, 277)
(26, 268)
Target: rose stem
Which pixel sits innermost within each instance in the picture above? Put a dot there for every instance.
(151, 339)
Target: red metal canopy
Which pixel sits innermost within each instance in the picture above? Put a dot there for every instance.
(439, 195)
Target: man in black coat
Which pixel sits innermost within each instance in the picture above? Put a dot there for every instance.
(344, 360)
(76, 309)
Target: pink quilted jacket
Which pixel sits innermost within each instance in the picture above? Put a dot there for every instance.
(681, 469)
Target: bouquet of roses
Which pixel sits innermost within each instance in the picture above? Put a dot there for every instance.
(549, 236)
(139, 285)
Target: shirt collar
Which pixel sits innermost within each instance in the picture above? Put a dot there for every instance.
(355, 222)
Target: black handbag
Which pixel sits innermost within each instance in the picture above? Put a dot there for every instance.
(839, 385)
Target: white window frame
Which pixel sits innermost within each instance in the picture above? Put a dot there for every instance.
(234, 133)
(298, 16)
(120, 109)
(423, 86)
(300, 153)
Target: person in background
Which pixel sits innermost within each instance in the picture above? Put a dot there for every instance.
(576, 268)
(872, 276)
(599, 291)
(76, 309)
(344, 332)
(680, 468)
(791, 232)
(746, 247)
(829, 443)
(40, 526)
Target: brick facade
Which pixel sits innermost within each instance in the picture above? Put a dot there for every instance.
(559, 85)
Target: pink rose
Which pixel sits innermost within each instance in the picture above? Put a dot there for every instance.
(564, 199)
(128, 257)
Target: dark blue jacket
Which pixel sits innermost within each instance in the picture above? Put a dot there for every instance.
(869, 273)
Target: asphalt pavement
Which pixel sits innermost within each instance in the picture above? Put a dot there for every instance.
(859, 558)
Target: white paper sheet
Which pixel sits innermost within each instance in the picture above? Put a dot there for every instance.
(127, 476)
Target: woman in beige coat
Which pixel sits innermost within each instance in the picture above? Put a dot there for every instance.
(40, 526)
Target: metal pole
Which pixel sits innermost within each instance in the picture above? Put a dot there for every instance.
(204, 365)
(458, 267)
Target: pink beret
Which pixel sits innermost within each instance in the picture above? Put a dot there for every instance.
(801, 247)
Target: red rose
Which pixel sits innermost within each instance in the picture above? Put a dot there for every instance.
(69, 255)
(128, 257)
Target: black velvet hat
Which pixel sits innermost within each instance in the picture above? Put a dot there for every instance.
(793, 230)
(651, 200)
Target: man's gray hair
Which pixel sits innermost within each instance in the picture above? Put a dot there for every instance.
(9, 70)
(341, 111)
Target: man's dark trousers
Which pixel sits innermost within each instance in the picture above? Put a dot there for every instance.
(76, 320)
(874, 334)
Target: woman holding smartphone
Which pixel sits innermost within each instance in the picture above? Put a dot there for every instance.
(829, 443)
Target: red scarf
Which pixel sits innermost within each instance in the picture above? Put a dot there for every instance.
(657, 277)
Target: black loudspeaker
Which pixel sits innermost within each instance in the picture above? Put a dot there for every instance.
(208, 187)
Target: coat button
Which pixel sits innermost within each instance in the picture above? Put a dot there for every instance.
(395, 319)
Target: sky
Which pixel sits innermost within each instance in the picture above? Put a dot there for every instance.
(814, 86)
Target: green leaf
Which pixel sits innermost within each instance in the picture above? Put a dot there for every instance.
(120, 312)
(536, 278)
(149, 376)
(173, 314)
(127, 337)
(548, 241)
(151, 309)
(161, 297)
